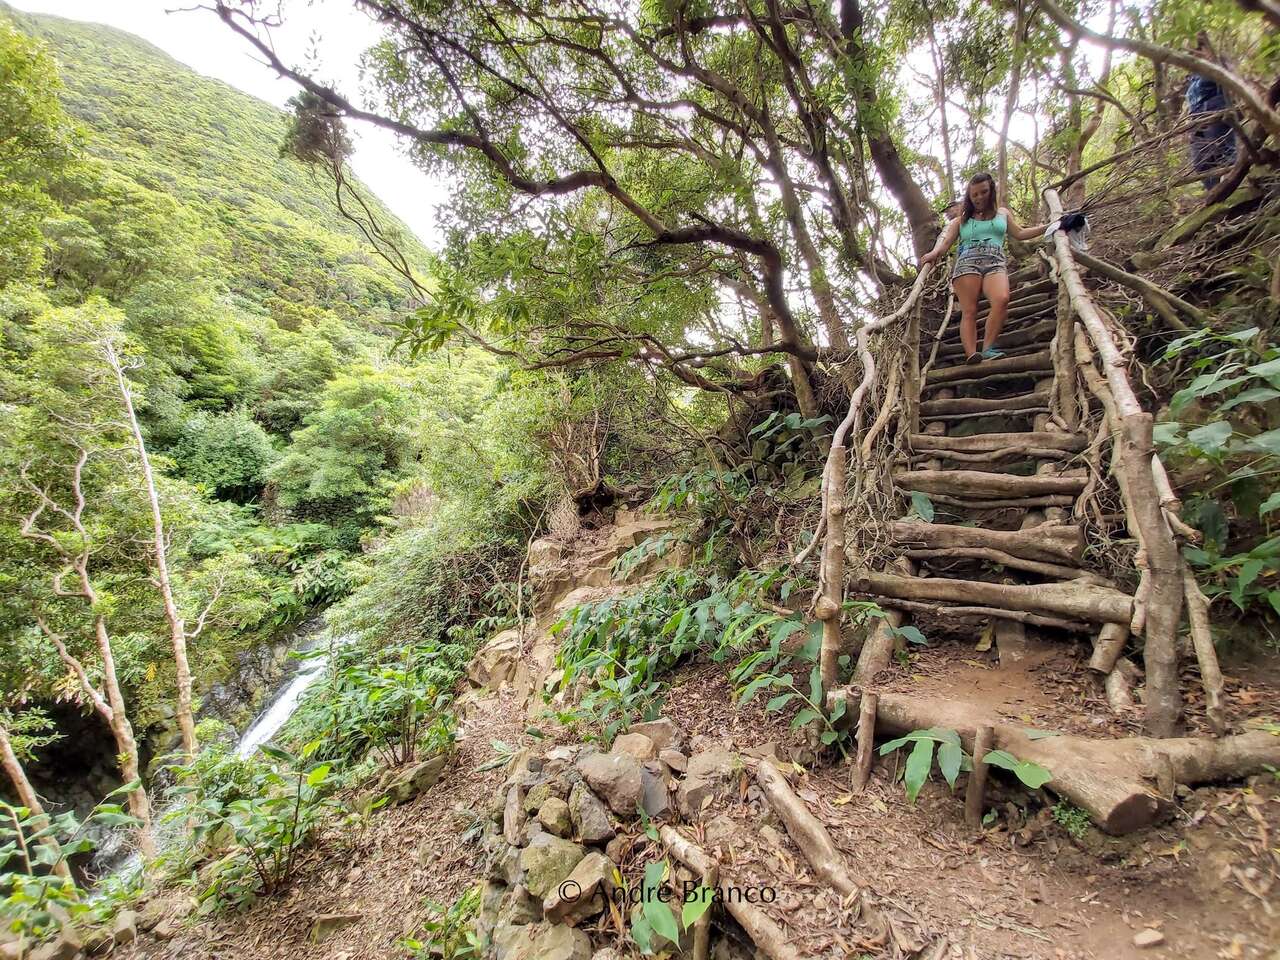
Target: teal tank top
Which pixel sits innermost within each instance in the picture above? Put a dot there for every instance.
(974, 232)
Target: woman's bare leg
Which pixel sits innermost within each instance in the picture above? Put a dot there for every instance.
(967, 289)
(996, 287)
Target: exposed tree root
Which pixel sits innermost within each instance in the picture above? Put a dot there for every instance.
(951, 610)
(990, 369)
(956, 408)
(978, 484)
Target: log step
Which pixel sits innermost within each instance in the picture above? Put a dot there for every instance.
(981, 485)
(1035, 336)
(1059, 543)
(961, 408)
(986, 442)
(1074, 601)
(1039, 362)
(1111, 779)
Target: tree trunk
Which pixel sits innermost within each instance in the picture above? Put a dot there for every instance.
(923, 220)
(122, 730)
(1010, 104)
(1079, 601)
(177, 629)
(27, 795)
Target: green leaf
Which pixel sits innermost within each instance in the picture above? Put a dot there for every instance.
(1269, 369)
(659, 914)
(1252, 395)
(316, 776)
(911, 635)
(1211, 437)
(1030, 773)
(922, 506)
(1271, 503)
(805, 716)
(695, 905)
(1268, 442)
(777, 703)
(949, 757)
(917, 769)
(1040, 734)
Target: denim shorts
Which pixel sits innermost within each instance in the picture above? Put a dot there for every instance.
(978, 260)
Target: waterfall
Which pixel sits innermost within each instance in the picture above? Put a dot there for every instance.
(282, 706)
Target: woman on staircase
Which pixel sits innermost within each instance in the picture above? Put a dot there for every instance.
(981, 265)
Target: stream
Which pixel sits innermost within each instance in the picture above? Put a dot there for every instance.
(113, 853)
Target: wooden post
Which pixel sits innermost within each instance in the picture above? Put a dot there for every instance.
(975, 793)
(911, 389)
(866, 742)
(702, 926)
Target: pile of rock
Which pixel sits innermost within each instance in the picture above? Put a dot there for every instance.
(559, 829)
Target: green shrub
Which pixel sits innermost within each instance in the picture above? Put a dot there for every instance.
(267, 807)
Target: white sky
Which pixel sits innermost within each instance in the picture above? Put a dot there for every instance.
(201, 41)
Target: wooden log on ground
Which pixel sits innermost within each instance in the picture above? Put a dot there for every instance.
(1064, 442)
(1108, 647)
(1119, 685)
(772, 940)
(983, 613)
(1053, 500)
(877, 649)
(980, 485)
(866, 743)
(1008, 560)
(702, 926)
(806, 830)
(1076, 601)
(1206, 655)
(1032, 362)
(976, 790)
(981, 406)
(1111, 779)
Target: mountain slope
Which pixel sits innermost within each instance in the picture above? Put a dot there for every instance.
(286, 248)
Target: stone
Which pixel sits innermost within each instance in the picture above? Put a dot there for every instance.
(497, 661)
(166, 929)
(616, 778)
(662, 732)
(562, 754)
(97, 940)
(547, 861)
(608, 953)
(554, 815)
(417, 779)
(674, 759)
(636, 744)
(709, 776)
(655, 799)
(124, 928)
(65, 946)
(769, 750)
(584, 893)
(491, 898)
(513, 942)
(589, 815)
(559, 942)
(325, 925)
(518, 907)
(1147, 938)
(513, 814)
(616, 849)
(536, 797)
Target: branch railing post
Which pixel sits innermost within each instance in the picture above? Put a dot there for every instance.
(1142, 499)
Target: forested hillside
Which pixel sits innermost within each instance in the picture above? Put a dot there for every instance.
(163, 252)
(813, 412)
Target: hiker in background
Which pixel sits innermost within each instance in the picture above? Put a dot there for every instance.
(1213, 145)
(981, 266)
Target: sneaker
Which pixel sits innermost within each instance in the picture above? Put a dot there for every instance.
(991, 353)
(974, 358)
